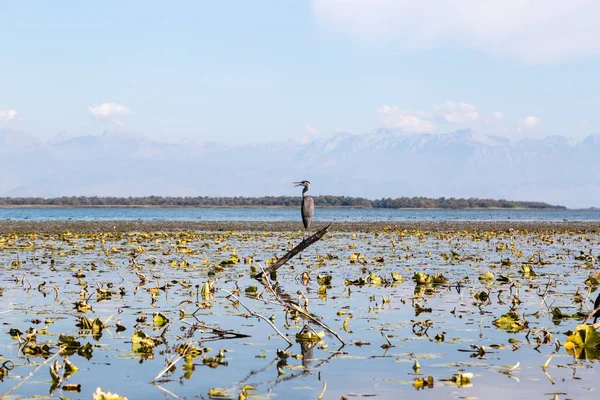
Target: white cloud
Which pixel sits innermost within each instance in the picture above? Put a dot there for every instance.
(420, 121)
(109, 111)
(456, 113)
(408, 121)
(499, 115)
(529, 122)
(6, 114)
(534, 31)
(584, 123)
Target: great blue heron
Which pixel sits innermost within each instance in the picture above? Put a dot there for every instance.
(308, 205)
(596, 305)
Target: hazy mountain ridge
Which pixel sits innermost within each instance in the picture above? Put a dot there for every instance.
(381, 163)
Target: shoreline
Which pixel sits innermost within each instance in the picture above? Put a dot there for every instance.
(55, 227)
(12, 206)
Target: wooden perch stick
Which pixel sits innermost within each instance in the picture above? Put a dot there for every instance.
(303, 245)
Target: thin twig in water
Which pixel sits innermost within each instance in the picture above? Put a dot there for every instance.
(305, 299)
(216, 331)
(168, 367)
(7, 311)
(267, 282)
(9, 391)
(283, 298)
(259, 316)
(316, 320)
(162, 389)
(587, 296)
(322, 391)
(386, 339)
(306, 371)
(545, 294)
(290, 304)
(258, 371)
(170, 364)
(547, 375)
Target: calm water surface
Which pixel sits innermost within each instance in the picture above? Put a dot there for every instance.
(44, 276)
(290, 214)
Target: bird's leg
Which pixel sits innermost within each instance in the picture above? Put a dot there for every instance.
(304, 235)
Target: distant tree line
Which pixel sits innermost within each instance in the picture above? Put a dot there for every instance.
(272, 201)
(453, 203)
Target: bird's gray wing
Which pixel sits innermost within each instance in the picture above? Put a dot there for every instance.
(308, 208)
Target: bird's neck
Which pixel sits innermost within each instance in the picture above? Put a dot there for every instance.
(304, 192)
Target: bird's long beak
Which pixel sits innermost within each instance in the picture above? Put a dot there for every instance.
(298, 184)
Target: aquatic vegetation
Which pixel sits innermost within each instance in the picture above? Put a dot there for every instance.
(357, 313)
(584, 343)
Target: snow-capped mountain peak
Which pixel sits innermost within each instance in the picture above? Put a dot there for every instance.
(380, 163)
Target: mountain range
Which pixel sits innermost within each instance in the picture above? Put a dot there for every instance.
(380, 163)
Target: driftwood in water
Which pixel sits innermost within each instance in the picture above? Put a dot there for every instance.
(283, 298)
(303, 245)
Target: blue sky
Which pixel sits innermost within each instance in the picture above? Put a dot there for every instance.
(244, 71)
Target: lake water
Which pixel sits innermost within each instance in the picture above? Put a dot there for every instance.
(291, 214)
(360, 284)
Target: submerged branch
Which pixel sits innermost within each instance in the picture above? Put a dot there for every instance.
(165, 391)
(315, 319)
(223, 333)
(258, 316)
(22, 381)
(171, 363)
(283, 298)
